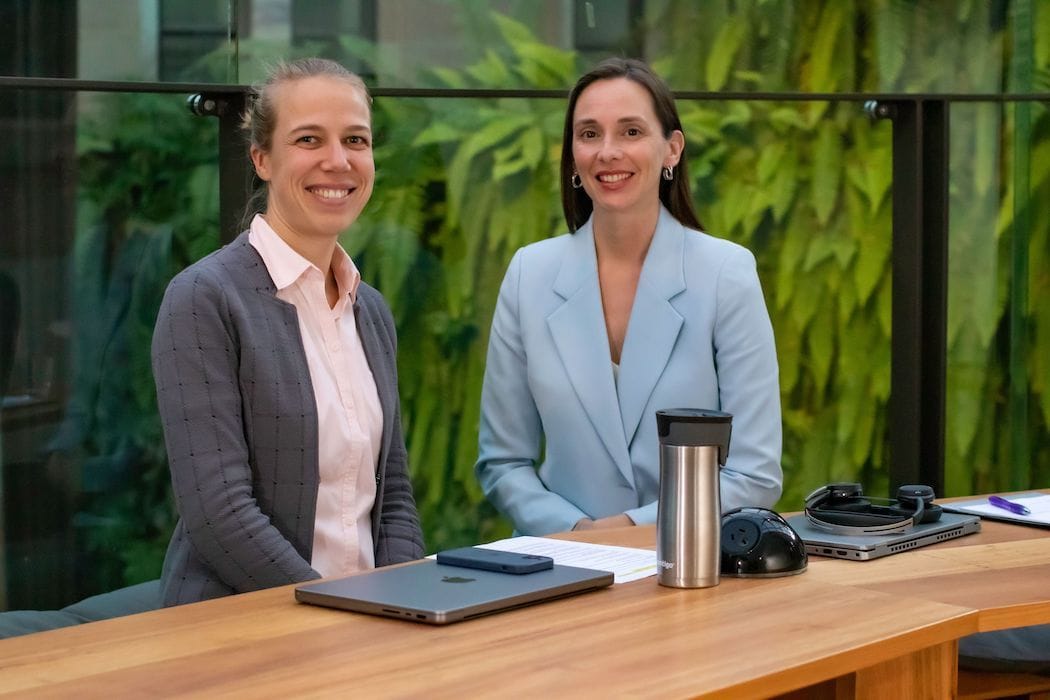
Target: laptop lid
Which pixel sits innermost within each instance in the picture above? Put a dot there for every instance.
(439, 594)
(863, 547)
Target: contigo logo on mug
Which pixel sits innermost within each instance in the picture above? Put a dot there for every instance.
(665, 564)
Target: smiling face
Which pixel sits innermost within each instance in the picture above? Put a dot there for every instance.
(319, 166)
(619, 147)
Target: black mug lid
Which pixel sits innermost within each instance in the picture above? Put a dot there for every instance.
(693, 415)
(695, 427)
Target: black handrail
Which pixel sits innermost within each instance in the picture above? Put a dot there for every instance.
(379, 91)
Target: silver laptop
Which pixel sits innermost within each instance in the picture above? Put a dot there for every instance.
(863, 547)
(438, 594)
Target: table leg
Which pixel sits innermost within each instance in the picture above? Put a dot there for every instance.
(927, 673)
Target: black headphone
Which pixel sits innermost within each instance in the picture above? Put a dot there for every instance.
(842, 509)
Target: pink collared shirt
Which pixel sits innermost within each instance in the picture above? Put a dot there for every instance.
(350, 419)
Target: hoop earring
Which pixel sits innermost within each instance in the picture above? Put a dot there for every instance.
(668, 172)
(575, 181)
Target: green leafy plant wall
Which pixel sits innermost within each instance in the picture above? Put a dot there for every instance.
(806, 185)
(148, 207)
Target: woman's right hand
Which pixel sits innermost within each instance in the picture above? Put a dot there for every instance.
(621, 520)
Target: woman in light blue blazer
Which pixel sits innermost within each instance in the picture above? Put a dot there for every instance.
(633, 311)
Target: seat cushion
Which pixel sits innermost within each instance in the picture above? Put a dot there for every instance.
(141, 597)
(1019, 650)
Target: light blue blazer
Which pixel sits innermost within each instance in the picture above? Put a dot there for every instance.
(699, 336)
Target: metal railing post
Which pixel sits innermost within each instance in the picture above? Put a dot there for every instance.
(920, 289)
(235, 171)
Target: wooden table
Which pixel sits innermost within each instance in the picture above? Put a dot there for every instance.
(1003, 572)
(743, 638)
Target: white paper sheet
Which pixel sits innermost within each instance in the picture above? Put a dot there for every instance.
(1038, 503)
(626, 563)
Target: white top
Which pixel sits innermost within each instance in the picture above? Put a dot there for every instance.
(350, 418)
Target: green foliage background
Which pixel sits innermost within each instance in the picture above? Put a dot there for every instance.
(148, 207)
(462, 183)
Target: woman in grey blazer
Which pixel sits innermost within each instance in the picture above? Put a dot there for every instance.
(277, 386)
(635, 310)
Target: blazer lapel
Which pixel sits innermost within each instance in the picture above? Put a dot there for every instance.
(381, 370)
(578, 330)
(654, 324)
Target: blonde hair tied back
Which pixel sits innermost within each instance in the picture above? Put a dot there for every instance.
(260, 116)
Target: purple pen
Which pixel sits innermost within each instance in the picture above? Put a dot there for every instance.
(1000, 502)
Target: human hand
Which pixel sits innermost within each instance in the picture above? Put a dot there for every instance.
(621, 520)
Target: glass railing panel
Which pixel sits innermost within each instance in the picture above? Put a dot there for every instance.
(166, 40)
(998, 396)
(107, 196)
(753, 46)
(804, 185)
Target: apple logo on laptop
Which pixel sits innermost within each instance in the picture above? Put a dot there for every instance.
(456, 579)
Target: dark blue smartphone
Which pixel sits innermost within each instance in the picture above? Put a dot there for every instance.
(495, 560)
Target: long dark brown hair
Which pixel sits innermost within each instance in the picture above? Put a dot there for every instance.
(674, 194)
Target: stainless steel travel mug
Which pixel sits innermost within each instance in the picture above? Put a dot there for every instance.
(693, 446)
